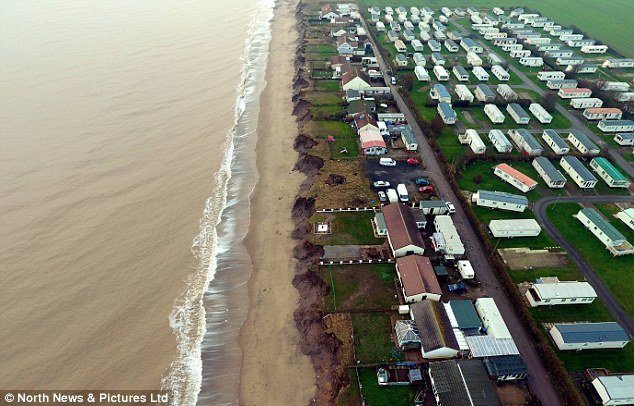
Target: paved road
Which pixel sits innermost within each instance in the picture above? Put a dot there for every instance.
(540, 207)
(538, 379)
(575, 122)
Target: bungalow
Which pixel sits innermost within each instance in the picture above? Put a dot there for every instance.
(583, 143)
(327, 13)
(578, 172)
(603, 113)
(434, 45)
(499, 141)
(449, 243)
(446, 11)
(588, 336)
(460, 73)
(346, 46)
(419, 59)
(540, 113)
(463, 93)
(531, 61)
(609, 173)
(352, 78)
(372, 142)
(473, 59)
(518, 113)
(470, 45)
(421, 74)
(503, 368)
(417, 45)
(526, 142)
(507, 92)
(439, 340)
(447, 114)
(627, 216)
(409, 139)
(392, 35)
(441, 73)
(437, 59)
(514, 177)
(359, 105)
(402, 233)
(551, 291)
(612, 126)
(500, 73)
(400, 46)
(439, 92)
(512, 228)
(451, 45)
(613, 240)
(619, 63)
(625, 139)
(586, 102)
(401, 60)
(417, 279)
(615, 389)
(338, 32)
(461, 382)
(555, 142)
(556, 84)
(580, 92)
(493, 112)
(484, 93)
(480, 73)
(551, 75)
(547, 171)
(500, 200)
(473, 140)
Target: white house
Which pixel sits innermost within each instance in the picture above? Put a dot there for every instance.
(507, 92)
(551, 75)
(463, 93)
(514, 177)
(580, 92)
(555, 142)
(473, 59)
(627, 216)
(613, 126)
(500, 73)
(473, 140)
(586, 102)
(603, 113)
(480, 73)
(493, 112)
(625, 139)
(578, 172)
(547, 171)
(447, 113)
(514, 228)
(588, 336)
(551, 291)
(500, 142)
(540, 113)
(421, 74)
(441, 73)
(531, 61)
(526, 142)
(403, 235)
(354, 79)
(491, 318)
(518, 113)
(583, 143)
(500, 200)
(615, 389)
(605, 232)
(417, 279)
(608, 172)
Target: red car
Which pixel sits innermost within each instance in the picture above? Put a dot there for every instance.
(426, 189)
(413, 161)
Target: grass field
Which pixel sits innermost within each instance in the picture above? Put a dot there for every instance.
(347, 228)
(376, 395)
(372, 339)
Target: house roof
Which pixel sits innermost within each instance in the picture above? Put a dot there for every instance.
(448, 383)
(618, 387)
(552, 172)
(583, 139)
(518, 110)
(591, 332)
(488, 346)
(603, 225)
(349, 72)
(417, 275)
(345, 40)
(371, 138)
(486, 90)
(503, 197)
(401, 226)
(609, 168)
(406, 330)
(430, 317)
(519, 176)
(578, 167)
(505, 365)
(556, 139)
(476, 379)
(603, 110)
(339, 60)
(360, 106)
(466, 315)
(363, 119)
(564, 290)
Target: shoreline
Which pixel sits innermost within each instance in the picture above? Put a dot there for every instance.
(274, 370)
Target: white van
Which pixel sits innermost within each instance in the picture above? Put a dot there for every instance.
(402, 192)
(392, 196)
(387, 162)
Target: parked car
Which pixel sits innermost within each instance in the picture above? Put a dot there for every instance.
(393, 80)
(457, 287)
(422, 182)
(387, 162)
(426, 189)
(381, 183)
(450, 208)
(382, 196)
(413, 161)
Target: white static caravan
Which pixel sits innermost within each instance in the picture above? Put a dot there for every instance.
(491, 318)
(518, 113)
(417, 45)
(419, 59)
(603, 113)
(421, 74)
(500, 73)
(531, 61)
(480, 73)
(540, 113)
(451, 45)
(441, 73)
(439, 92)
(615, 389)
(500, 142)
(609, 173)
(424, 36)
(446, 112)
(614, 241)
(465, 269)
(507, 92)
(460, 73)
(547, 171)
(615, 86)
(500, 200)
(494, 113)
(614, 126)
(473, 59)
(578, 172)
(627, 216)
(551, 75)
(555, 142)
(438, 59)
(586, 102)
(549, 291)
(588, 336)
(473, 140)
(453, 246)
(514, 228)
(580, 92)
(434, 45)
(380, 26)
(526, 142)
(624, 139)
(520, 53)
(619, 63)
(464, 93)
(556, 84)
(594, 49)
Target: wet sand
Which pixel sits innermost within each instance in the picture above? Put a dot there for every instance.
(274, 371)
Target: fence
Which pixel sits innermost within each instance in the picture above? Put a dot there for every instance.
(356, 261)
(349, 209)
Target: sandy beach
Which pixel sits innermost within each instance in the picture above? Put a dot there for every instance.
(274, 371)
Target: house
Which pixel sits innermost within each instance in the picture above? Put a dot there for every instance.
(421, 74)
(551, 291)
(507, 92)
(462, 382)
(437, 59)
(470, 45)
(417, 279)
(505, 367)
(499, 141)
(451, 45)
(359, 105)
(614, 389)
(419, 59)
(619, 63)
(447, 113)
(409, 139)
(500, 200)
(480, 73)
(625, 139)
(460, 73)
(400, 60)
(352, 78)
(372, 142)
(439, 92)
(346, 46)
(551, 75)
(540, 113)
(612, 126)
(471, 138)
(441, 73)
(473, 59)
(531, 61)
(583, 143)
(451, 243)
(574, 93)
(484, 93)
(514, 177)
(338, 32)
(556, 84)
(463, 93)
(463, 316)
(491, 318)
(603, 113)
(514, 228)
(500, 73)
(438, 341)
(402, 233)
(586, 102)
(613, 240)
(434, 45)
(400, 46)
(353, 95)
(627, 216)
(609, 173)
(518, 113)
(417, 45)
(493, 112)
(526, 142)
(547, 171)
(327, 13)
(555, 142)
(588, 336)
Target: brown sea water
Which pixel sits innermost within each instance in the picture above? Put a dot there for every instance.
(125, 127)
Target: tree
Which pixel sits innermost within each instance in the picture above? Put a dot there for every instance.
(478, 179)
(436, 126)
(549, 101)
(407, 81)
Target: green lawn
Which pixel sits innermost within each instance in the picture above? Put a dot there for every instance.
(376, 395)
(332, 85)
(565, 273)
(611, 270)
(344, 148)
(348, 228)
(321, 49)
(372, 338)
(324, 98)
(614, 360)
(594, 312)
(449, 144)
(324, 128)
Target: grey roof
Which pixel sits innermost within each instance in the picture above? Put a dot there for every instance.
(488, 346)
(618, 387)
(353, 93)
(603, 225)
(584, 140)
(626, 136)
(561, 81)
(580, 168)
(401, 57)
(433, 43)
(591, 332)
(408, 134)
(503, 197)
(553, 173)
(618, 122)
(450, 42)
(479, 386)
(469, 42)
(431, 318)
(437, 56)
(528, 138)
(466, 315)
(505, 365)
(406, 332)
(557, 140)
(380, 221)
(431, 203)
(448, 383)
(461, 71)
(518, 110)
(441, 90)
(446, 109)
(486, 90)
